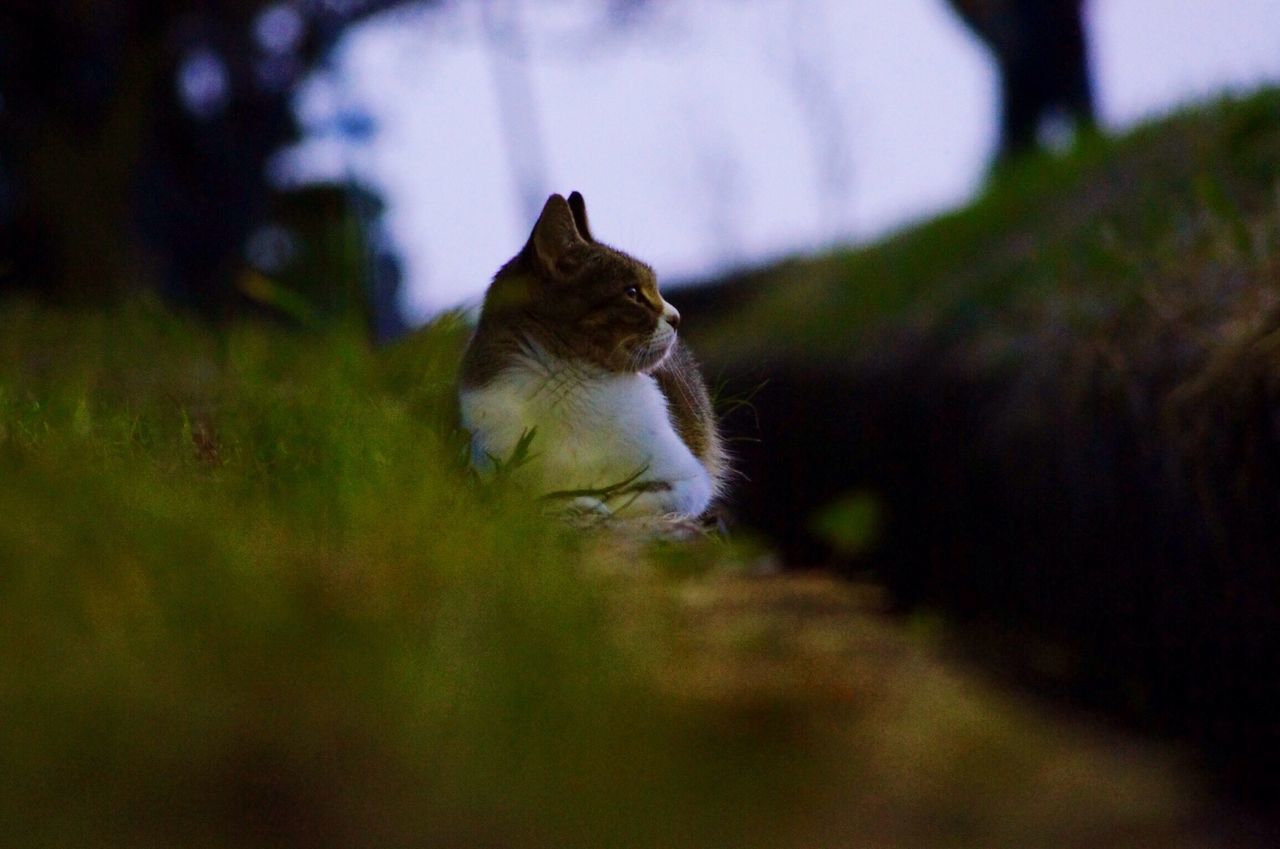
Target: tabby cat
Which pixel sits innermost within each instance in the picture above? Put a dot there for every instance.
(576, 346)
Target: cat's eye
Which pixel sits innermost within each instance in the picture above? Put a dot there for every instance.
(633, 293)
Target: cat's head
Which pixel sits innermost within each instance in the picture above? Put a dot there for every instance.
(580, 299)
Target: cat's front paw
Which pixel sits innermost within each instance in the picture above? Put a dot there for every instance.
(587, 505)
(650, 504)
(663, 498)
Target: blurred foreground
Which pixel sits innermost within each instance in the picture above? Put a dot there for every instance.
(251, 599)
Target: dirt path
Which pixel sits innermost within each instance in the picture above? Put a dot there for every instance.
(916, 750)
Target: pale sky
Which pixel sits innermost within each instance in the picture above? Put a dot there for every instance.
(721, 132)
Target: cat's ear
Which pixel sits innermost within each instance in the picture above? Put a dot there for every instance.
(555, 237)
(579, 208)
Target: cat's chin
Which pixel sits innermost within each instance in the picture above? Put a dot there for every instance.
(656, 361)
(654, 351)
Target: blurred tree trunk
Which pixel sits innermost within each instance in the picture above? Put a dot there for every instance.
(1042, 59)
(71, 130)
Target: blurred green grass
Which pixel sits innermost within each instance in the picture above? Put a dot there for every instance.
(251, 597)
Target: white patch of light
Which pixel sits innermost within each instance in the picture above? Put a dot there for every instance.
(204, 84)
(1151, 56)
(279, 28)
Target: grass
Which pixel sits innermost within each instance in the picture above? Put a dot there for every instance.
(251, 596)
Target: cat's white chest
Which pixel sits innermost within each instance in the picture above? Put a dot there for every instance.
(593, 431)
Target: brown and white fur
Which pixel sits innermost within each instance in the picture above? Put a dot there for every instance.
(575, 341)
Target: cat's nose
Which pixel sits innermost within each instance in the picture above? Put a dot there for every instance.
(671, 315)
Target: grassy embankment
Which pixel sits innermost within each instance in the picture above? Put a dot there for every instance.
(1063, 399)
(250, 597)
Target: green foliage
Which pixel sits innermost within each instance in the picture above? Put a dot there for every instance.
(250, 596)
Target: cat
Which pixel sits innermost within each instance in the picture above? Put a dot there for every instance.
(576, 346)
